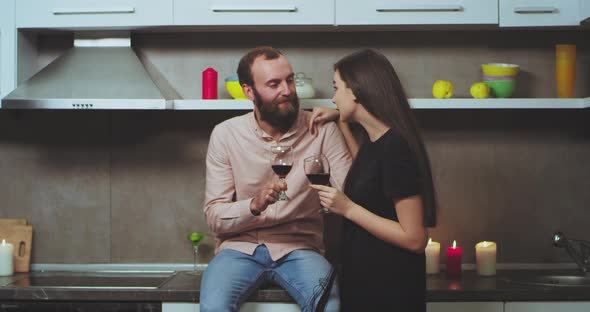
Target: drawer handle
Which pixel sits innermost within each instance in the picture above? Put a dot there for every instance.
(422, 8)
(62, 11)
(535, 10)
(253, 9)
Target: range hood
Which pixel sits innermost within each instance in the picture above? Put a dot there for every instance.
(99, 72)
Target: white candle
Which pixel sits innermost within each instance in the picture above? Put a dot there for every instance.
(485, 258)
(6, 266)
(432, 252)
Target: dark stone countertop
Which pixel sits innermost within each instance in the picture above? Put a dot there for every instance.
(184, 287)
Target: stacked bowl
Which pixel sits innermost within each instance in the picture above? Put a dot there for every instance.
(233, 87)
(501, 78)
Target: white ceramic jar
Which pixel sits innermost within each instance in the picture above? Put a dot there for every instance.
(303, 86)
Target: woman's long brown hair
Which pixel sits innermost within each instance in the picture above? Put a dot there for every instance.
(376, 86)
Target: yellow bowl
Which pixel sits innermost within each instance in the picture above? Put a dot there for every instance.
(235, 90)
(499, 69)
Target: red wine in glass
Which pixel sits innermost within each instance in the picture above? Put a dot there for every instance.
(281, 170)
(319, 178)
(317, 170)
(281, 162)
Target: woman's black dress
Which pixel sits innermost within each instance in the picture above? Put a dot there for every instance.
(377, 276)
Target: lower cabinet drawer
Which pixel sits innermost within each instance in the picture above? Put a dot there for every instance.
(465, 307)
(246, 307)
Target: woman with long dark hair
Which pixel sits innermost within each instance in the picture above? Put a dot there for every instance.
(388, 200)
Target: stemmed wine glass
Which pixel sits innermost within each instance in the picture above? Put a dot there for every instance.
(196, 239)
(317, 170)
(281, 160)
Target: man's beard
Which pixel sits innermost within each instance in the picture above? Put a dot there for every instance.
(280, 118)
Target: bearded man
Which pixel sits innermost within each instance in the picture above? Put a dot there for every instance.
(261, 240)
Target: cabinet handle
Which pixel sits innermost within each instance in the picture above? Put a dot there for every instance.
(422, 8)
(254, 9)
(65, 11)
(535, 10)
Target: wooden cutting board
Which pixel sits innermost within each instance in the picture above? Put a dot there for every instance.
(20, 236)
(4, 222)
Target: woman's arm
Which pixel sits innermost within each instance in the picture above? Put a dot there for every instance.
(409, 233)
(351, 142)
(321, 115)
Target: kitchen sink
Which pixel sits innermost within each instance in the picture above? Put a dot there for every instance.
(96, 280)
(554, 280)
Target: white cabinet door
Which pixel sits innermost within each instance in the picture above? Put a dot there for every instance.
(465, 307)
(547, 307)
(585, 11)
(7, 47)
(246, 307)
(92, 13)
(254, 12)
(539, 12)
(416, 12)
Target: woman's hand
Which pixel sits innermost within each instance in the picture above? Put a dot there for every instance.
(321, 115)
(334, 199)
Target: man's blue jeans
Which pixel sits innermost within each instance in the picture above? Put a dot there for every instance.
(232, 276)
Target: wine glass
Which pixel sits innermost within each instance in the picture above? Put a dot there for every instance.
(317, 170)
(281, 160)
(195, 238)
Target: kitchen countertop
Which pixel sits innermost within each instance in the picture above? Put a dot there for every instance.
(184, 287)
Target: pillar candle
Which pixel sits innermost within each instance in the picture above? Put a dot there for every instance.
(209, 84)
(485, 258)
(6, 266)
(565, 70)
(432, 252)
(454, 260)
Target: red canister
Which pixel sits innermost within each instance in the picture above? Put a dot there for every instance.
(209, 83)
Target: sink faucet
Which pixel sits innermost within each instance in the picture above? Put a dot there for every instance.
(581, 255)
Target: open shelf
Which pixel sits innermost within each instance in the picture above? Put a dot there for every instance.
(529, 103)
(225, 104)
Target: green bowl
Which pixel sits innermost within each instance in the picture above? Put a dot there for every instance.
(501, 88)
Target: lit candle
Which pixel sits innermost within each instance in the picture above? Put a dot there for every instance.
(485, 258)
(6, 267)
(432, 252)
(454, 260)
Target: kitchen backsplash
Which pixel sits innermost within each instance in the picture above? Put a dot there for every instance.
(127, 186)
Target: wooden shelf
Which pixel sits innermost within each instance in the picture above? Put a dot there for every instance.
(529, 103)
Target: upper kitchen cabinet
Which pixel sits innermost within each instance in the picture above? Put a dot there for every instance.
(516, 13)
(93, 13)
(416, 12)
(585, 11)
(254, 12)
(7, 47)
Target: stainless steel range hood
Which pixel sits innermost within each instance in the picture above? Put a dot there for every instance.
(99, 72)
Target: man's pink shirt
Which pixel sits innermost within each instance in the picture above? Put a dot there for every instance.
(238, 166)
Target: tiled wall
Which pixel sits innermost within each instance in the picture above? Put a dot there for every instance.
(127, 186)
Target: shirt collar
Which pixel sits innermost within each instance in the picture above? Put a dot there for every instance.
(298, 125)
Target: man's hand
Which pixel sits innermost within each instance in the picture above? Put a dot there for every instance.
(268, 195)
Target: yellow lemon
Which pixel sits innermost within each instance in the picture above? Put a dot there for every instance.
(479, 90)
(442, 89)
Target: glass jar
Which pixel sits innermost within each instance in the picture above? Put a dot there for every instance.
(303, 86)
